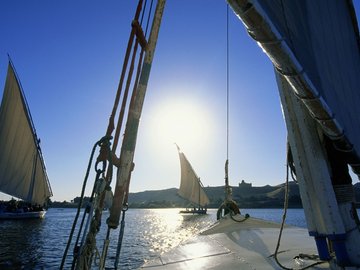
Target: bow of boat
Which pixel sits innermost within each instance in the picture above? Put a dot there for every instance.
(249, 244)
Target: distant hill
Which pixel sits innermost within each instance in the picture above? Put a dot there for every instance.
(245, 195)
(156, 199)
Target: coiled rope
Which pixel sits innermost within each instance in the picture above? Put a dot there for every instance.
(230, 208)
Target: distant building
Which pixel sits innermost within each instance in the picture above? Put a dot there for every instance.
(243, 184)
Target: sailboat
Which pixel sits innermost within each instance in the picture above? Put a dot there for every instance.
(22, 168)
(191, 188)
(315, 50)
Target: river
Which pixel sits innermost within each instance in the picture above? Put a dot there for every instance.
(39, 244)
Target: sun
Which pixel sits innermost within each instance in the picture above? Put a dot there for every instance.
(182, 121)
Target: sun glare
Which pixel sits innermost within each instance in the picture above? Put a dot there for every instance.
(182, 122)
(186, 121)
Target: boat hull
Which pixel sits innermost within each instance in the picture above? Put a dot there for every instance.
(23, 215)
(192, 211)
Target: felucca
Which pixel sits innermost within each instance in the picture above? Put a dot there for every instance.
(191, 188)
(22, 168)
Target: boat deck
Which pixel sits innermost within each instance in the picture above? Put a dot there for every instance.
(241, 245)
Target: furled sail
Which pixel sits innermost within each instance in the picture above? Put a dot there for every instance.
(312, 44)
(190, 185)
(314, 47)
(22, 169)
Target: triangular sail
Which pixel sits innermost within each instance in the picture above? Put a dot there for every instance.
(190, 185)
(22, 169)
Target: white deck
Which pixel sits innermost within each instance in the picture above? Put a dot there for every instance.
(246, 245)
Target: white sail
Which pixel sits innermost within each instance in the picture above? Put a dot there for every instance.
(22, 169)
(314, 45)
(190, 185)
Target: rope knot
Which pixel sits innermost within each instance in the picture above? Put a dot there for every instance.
(104, 144)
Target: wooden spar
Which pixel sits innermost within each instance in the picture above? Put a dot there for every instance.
(327, 196)
(312, 172)
(325, 216)
(130, 136)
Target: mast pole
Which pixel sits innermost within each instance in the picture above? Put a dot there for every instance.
(199, 191)
(33, 175)
(130, 136)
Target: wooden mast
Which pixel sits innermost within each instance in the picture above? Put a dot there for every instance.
(130, 136)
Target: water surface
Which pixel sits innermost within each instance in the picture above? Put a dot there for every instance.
(39, 244)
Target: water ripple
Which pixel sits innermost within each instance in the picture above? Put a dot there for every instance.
(39, 244)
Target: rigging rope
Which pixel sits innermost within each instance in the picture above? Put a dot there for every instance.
(133, 120)
(227, 82)
(83, 259)
(136, 31)
(120, 238)
(229, 205)
(286, 204)
(85, 249)
(123, 72)
(142, 41)
(125, 202)
(104, 140)
(227, 186)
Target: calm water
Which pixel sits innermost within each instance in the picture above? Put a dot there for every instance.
(39, 244)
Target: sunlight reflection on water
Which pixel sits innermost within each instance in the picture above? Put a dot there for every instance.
(166, 228)
(39, 244)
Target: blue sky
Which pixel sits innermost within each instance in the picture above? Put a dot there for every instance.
(69, 54)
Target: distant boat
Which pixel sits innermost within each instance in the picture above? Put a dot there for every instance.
(191, 188)
(22, 168)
